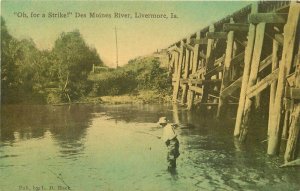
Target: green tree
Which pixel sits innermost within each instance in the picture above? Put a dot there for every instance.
(73, 62)
(8, 69)
(21, 69)
(31, 75)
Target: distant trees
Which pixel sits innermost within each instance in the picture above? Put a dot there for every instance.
(138, 74)
(32, 75)
(115, 82)
(152, 76)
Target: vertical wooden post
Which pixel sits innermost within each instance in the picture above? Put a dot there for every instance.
(234, 69)
(186, 73)
(291, 151)
(247, 67)
(176, 62)
(257, 96)
(189, 98)
(259, 38)
(189, 93)
(175, 114)
(174, 74)
(290, 32)
(172, 61)
(210, 44)
(226, 72)
(287, 115)
(191, 60)
(275, 63)
(209, 51)
(194, 69)
(178, 74)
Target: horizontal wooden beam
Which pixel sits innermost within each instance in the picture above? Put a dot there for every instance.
(198, 41)
(243, 27)
(231, 88)
(263, 84)
(198, 73)
(216, 104)
(216, 35)
(292, 93)
(209, 104)
(267, 18)
(200, 81)
(196, 89)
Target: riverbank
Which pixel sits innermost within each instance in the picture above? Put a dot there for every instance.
(145, 96)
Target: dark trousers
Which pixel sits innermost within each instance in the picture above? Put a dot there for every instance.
(173, 153)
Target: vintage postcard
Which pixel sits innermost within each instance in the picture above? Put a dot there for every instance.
(149, 95)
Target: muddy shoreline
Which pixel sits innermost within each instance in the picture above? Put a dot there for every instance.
(142, 97)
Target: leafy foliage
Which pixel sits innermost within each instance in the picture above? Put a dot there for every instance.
(31, 75)
(138, 74)
(74, 61)
(20, 68)
(61, 74)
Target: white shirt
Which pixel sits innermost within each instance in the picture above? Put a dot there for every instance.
(168, 133)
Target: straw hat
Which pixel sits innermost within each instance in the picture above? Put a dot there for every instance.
(162, 120)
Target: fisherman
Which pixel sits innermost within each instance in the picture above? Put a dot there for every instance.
(170, 139)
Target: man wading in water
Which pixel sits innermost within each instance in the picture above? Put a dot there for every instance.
(170, 138)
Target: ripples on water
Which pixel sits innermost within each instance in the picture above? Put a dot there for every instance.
(117, 147)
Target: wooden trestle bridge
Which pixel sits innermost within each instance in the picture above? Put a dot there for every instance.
(250, 54)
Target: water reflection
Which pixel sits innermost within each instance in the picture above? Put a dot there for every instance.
(221, 162)
(116, 147)
(67, 125)
(134, 112)
(27, 121)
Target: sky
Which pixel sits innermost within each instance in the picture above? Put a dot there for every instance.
(136, 36)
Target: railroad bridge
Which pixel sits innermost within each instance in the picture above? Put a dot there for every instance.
(243, 59)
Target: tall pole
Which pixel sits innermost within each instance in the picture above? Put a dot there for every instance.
(116, 46)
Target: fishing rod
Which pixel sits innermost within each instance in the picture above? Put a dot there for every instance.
(60, 178)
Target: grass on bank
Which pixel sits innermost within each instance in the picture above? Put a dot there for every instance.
(145, 96)
(142, 80)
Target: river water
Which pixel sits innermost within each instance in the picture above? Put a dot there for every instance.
(117, 147)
